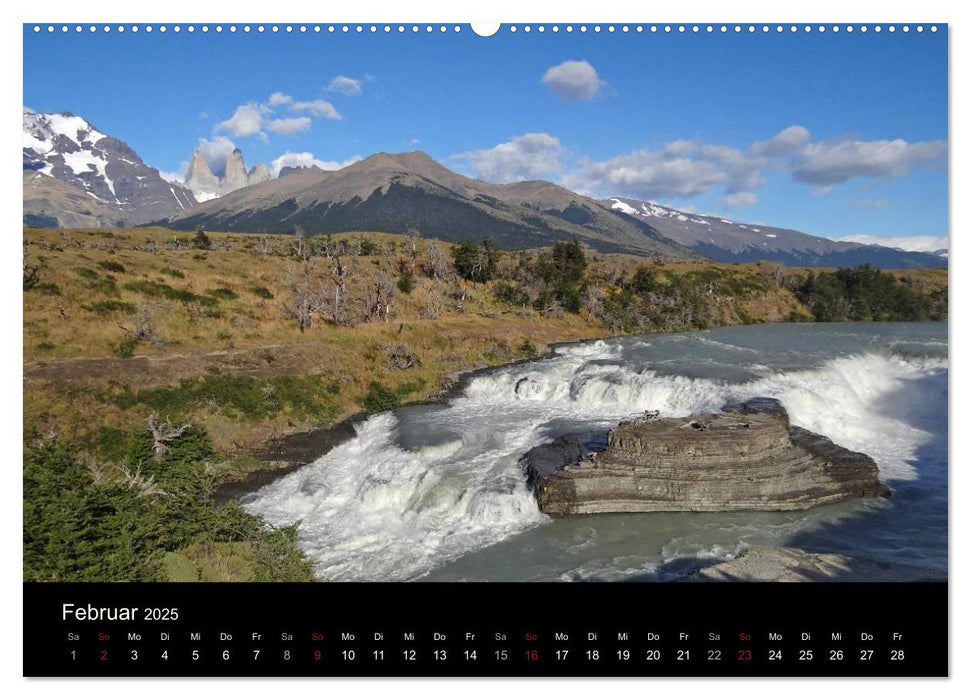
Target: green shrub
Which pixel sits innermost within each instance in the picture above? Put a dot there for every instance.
(527, 349)
(84, 521)
(239, 397)
(172, 272)
(109, 306)
(222, 293)
(368, 247)
(164, 291)
(48, 288)
(406, 281)
(201, 240)
(379, 399)
(111, 266)
(261, 292)
(474, 263)
(403, 390)
(45, 346)
(126, 347)
(86, 273)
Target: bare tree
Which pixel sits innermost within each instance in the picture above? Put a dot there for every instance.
(337, 292)
(411, 247)
(300, 248)
(378, 297)
(31, 272)
(437, 265)
(163, 433)
(306, 294)
(142, 326)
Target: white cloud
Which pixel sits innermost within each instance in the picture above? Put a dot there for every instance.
(247, 120)
(923, 244)
(833, 162)
(318, 108)
(574, 80)
(178, 178)
(689, 168)
(288, 127)
(279, 98)
(216, 151)
(741, 199)
(786, 142)
(351, 87)
(648, 175)
(521, 158)
(256, 118)
(307, 160)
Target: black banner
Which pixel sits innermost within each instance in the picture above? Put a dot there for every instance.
(472, 629)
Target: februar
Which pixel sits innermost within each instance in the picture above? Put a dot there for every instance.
(89, 612)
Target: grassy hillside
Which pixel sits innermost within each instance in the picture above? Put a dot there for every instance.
(240, 339)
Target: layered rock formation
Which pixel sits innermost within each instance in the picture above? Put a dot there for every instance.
(746, 457)
(788, 564)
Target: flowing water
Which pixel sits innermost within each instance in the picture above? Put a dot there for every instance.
(436, 491)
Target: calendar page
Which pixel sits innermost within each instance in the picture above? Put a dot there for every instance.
(546, 349)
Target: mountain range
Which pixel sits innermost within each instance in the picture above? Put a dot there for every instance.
(724, 240)
(76, 176)
(398, 193)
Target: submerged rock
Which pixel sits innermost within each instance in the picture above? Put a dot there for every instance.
(788, 564)
(745, 457)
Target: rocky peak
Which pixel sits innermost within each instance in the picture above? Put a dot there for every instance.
(206, 185)
(257, 174)
(235, 175)
(200, 179)
(103, 169)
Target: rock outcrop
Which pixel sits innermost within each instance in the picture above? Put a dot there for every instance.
(200, 179)
(788, 564)
(745, 457)
(234, 177)
(206, 185)
(257, 174)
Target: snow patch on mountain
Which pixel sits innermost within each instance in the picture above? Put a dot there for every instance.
(730, 241)
(69, 149)
(923, 244)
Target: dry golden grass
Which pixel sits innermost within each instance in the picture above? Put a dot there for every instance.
(70, 352)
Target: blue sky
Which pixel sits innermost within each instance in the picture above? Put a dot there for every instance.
(836, 134)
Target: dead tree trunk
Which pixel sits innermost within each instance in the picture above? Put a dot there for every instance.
(163, 433)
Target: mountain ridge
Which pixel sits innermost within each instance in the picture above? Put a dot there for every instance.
(118, 187)
(726, 240)
(397, 193)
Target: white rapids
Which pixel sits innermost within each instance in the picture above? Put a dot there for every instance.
(373, 509)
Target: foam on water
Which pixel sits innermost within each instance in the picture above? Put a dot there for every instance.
(371, 510)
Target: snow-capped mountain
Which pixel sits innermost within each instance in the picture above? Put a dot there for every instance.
(120, 188)
(725, 240)
(205, 185)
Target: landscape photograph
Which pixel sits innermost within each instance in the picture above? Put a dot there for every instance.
(374, 304)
